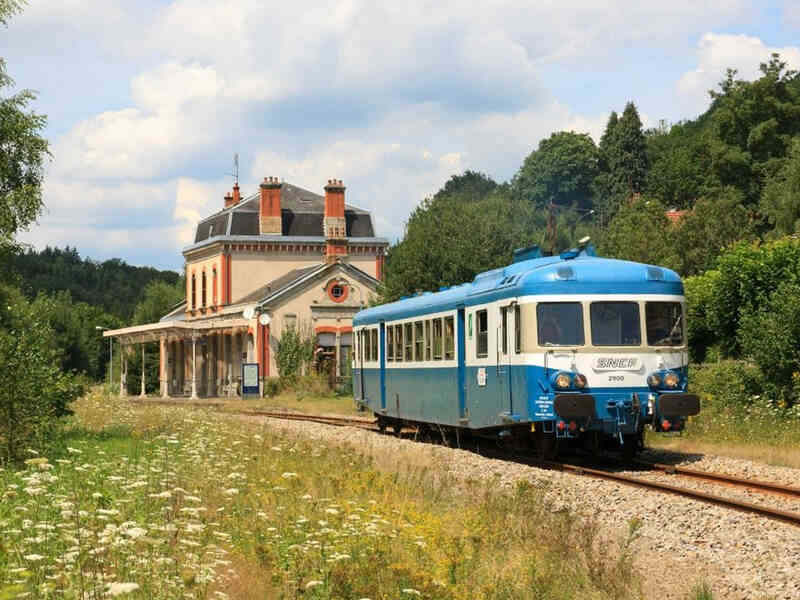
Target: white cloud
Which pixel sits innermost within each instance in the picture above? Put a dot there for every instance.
(718, 52)
(194, 200)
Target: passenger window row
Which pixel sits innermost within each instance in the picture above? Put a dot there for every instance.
(421, 341)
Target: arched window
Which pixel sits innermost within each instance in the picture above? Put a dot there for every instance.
(204, 289)
(194, 292)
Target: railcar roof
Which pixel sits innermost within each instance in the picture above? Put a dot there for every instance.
(578, 273)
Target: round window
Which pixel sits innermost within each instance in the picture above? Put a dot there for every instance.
(337, 291)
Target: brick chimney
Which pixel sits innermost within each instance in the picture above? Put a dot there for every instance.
(228, 200)
(334, 222)
(270, 221)
(236, 195)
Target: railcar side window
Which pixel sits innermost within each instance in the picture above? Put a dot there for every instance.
(398, 341)
(437, 339)
(560, 323)
(615, 324)
(504, 329)
(374, 344)
(409, 341)
(664, 323)
(419, 341)
(517, 330)
(449, 338)
(482, 331)
(389, 343)
(365, 345)
(428, 339)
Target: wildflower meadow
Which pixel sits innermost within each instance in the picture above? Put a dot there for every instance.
(165, 502)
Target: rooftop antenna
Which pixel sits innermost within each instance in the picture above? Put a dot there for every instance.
(235, 173)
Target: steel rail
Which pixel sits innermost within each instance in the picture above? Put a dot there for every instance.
(773, 513)
(720, 477)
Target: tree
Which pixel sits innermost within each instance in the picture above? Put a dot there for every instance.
(561, 171)
(34, 391)
(623, 161)
(641, 232)
(710, 227)
(780, 201)
(752, 124)
(22, 151)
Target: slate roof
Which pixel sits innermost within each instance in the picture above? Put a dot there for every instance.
(302, 213)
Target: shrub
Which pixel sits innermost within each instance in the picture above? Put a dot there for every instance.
(34, 392)
(748, 276)
(770, 336)
(294, 354)
(272, 386)
(699, 292)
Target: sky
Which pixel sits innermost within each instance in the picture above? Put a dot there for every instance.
(148, 101)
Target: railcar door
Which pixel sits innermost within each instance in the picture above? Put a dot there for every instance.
(360, 361)
(505, 349)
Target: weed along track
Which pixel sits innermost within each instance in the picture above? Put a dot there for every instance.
(609, 473)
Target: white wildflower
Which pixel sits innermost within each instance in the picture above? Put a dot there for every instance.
(231, 492)
(73, 450)
(116, 589)
(313, 583)
(411, 591)
(33, 557)
(289, 475)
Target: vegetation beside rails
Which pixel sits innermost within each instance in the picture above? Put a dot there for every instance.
(162, 502)
(741, 415)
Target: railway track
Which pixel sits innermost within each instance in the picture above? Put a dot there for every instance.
(603, 473)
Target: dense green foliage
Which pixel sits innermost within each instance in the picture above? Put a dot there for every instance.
(34, 390)
(113, 285)
(747, 308)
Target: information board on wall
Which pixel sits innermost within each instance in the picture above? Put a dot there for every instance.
(250, 379)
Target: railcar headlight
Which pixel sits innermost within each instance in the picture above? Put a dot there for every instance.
(580, 381)
(563, 381)
(654, 380)
(671, 380)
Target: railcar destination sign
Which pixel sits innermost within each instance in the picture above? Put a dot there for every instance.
(616, 363)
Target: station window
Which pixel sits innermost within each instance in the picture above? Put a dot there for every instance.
(409, 342)
(204, 289)
(560, 323)
(449, 338)
(390, 343)
(290, 321)
(438, 343)
(428, 339)
(482, 330)
(194, 291)
(419, 340)
(398, 341)
(374, 344)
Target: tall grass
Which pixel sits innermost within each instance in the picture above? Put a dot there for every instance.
(160, 502)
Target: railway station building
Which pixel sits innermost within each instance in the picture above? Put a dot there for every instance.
(283, 257)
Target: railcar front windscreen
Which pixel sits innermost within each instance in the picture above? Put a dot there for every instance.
(560, 323)
(615, 324)
(664, 323)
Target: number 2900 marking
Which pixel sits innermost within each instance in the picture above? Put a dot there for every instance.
(616, 378)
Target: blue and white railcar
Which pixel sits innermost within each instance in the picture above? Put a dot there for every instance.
(572, 346)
